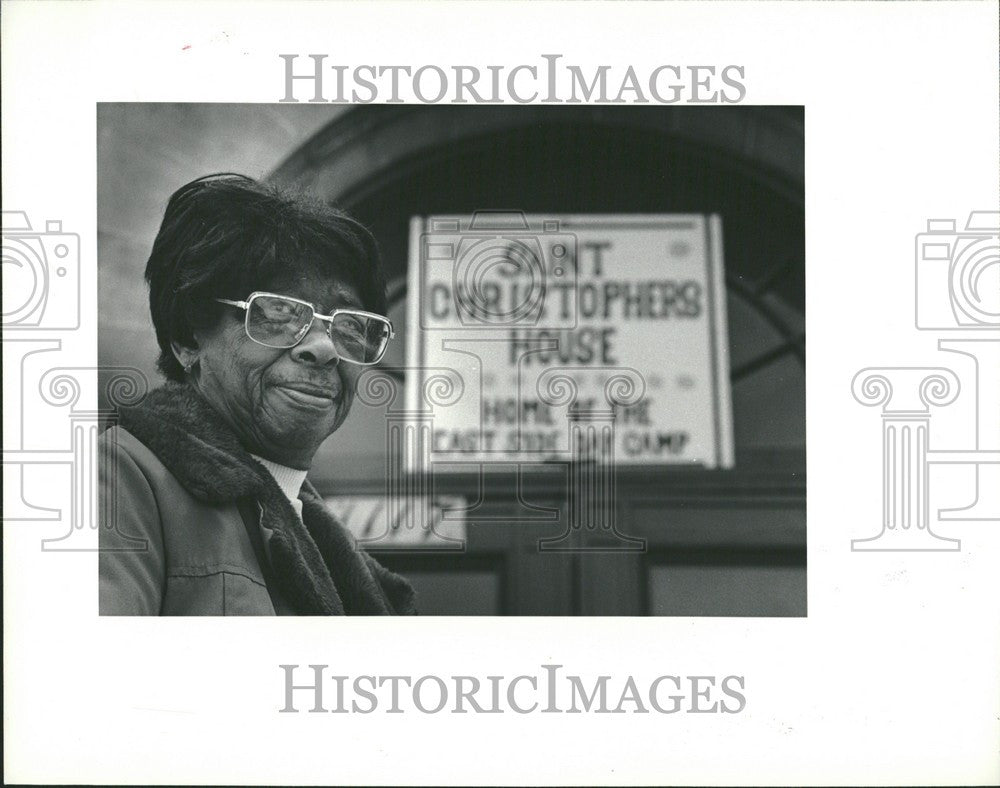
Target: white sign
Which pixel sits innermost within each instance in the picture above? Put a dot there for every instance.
(541, 338)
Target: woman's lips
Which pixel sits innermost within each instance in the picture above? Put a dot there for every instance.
(310, 395)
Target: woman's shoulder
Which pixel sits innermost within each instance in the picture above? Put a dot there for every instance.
(130, 461)
(118, 439)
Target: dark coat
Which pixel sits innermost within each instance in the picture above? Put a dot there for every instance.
(174, 542)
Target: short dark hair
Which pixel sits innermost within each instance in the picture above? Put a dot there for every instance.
(226, 235)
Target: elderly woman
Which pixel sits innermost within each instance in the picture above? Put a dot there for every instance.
(267, 307)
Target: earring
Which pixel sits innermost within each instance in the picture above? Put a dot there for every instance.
(189, 366)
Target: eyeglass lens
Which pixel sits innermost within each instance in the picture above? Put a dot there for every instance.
(278, 322)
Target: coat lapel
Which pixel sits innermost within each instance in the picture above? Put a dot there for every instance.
(200, 450)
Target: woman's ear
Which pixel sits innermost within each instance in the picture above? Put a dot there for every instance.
(186, 356)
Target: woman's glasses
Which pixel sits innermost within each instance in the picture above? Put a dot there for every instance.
(281, 322)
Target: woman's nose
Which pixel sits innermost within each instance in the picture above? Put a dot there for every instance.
(316, 347)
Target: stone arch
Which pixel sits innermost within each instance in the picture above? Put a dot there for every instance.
(385, 163)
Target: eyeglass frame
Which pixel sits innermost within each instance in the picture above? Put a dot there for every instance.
(245, 306)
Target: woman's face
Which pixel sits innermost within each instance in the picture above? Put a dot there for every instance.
(282, 403)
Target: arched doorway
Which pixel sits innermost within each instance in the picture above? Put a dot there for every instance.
(386, 164)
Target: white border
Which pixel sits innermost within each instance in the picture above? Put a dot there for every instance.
(892, 677)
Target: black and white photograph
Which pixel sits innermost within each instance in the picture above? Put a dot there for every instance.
(501, 392)
(560, 365)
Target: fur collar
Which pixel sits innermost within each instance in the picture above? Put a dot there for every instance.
(316, 561)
